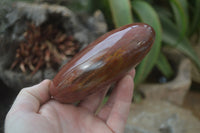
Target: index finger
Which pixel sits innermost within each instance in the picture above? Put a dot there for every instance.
(31, 98)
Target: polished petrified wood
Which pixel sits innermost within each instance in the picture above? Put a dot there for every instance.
(102, 62)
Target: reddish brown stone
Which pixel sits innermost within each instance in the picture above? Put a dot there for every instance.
(102, 62)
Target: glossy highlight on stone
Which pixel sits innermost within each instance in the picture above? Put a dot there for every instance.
(102, 62)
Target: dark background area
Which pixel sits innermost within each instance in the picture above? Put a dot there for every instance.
(7, 96)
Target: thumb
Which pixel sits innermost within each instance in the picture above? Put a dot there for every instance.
(31, 98)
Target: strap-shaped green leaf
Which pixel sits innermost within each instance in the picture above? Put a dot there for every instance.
(181, 15)
(148, 15)
(171, 37)
(164, 66)
(196, 17)
(121, 12)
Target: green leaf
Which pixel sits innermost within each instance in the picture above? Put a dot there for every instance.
(121, 12)
(164, 66)
(196, 18)
(171, 37)
(180, 12)
(185, 46)
(171, 34)
(148, 15)
(184, 5)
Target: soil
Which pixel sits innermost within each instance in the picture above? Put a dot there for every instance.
(192, 100)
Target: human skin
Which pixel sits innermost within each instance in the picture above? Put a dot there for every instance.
(34, 111)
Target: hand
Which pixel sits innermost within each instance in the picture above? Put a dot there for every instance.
(34, 111)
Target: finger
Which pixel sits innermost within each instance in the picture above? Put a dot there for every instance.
(132, 73)
(31, 98)
(121, 105)
(105, 111)
(93, 101)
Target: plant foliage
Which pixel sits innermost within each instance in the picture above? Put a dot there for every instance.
(170, 19)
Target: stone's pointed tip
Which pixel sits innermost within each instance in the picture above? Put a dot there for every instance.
(146, 26)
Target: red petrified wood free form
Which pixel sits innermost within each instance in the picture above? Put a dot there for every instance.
(102, 62)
